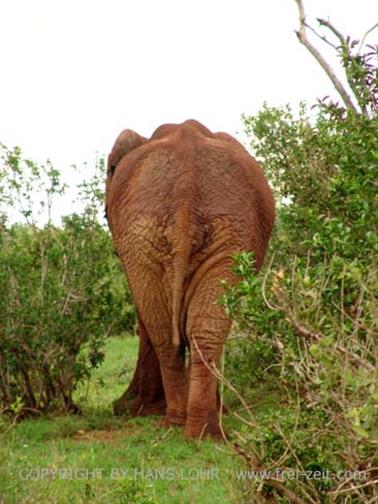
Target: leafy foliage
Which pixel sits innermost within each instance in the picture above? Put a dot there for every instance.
(62, 290)
(317, 316)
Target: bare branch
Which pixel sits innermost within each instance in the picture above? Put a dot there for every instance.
(268, 270)
(321, 37)
(302, 37)
(329, 25)
(315, 336)
(284, 491)
(356, 487)
(345, 52)
(364, 37)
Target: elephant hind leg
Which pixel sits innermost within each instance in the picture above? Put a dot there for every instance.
(172, 363)
(207, 329)
(145, 394)
(157, 321)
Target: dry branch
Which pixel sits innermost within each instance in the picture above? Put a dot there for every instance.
(316, 336)
(335, 31)
(302, 37)
(365, 35)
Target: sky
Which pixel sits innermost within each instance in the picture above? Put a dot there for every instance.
(75, 73)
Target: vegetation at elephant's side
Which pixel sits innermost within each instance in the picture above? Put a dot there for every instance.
(309, 321)
(61, 295)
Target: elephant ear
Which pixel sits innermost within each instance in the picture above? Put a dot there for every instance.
(127, 141)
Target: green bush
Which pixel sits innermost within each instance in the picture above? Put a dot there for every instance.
(313, 310)
(62, 291)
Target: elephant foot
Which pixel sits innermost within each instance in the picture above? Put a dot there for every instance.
(153, 408)
(202, 431)
(123, 405)
(174, 419)
(200, 427)
(138, 407)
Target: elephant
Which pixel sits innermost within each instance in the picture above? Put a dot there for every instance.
(179, 206)
(145, 394)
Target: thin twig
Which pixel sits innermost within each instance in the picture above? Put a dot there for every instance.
(364, 37)
(316, 336)
(263, 287)
(335, 31)
(221, 399)
(281, 460)
(364, 485)
(321, 37)
(251, 463)
(292, 451)
(284, 491)
(215, 371)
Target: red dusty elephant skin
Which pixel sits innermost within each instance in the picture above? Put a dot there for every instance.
(179, 205)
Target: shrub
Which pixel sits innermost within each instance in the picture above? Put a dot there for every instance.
(314, 309)
(62, 292)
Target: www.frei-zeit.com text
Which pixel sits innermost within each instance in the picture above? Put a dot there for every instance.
(174, 473)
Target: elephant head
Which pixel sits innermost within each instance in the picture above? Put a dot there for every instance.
(127, 141)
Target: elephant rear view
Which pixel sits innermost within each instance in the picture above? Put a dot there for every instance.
(179, 205)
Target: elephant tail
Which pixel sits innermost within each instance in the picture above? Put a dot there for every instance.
(182, 251)
(180, 267)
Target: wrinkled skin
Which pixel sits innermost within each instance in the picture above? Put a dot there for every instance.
(179, 205)
(145, 394)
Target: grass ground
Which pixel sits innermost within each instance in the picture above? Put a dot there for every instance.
(97, 458)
